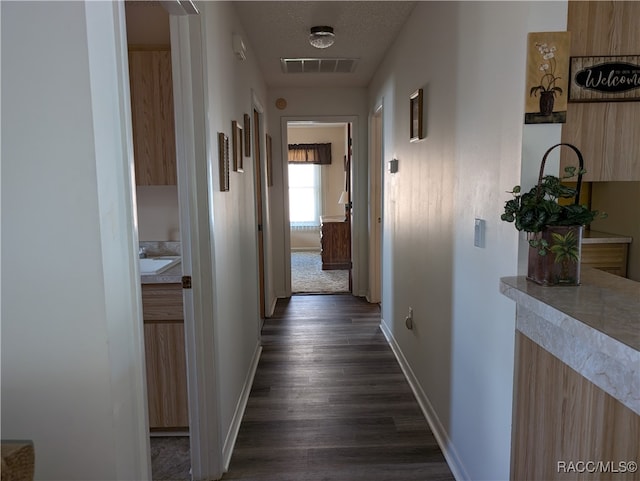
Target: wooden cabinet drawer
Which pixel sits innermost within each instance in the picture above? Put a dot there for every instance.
(607, 257)
(162, 302)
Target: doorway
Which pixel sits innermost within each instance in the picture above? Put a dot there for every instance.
(257, 149)
(159, 233)
(198, 452)
(319, 206)
(376, 169)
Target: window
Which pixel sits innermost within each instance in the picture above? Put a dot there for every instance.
(304, 195)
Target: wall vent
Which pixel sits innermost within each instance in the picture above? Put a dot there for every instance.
(318, 65)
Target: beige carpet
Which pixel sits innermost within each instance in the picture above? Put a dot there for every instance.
(307, 275)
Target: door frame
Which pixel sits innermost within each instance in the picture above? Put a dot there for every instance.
(260, 188)
(192, 149)
(356, 186)
(376, 174)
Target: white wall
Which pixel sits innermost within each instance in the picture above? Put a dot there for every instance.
(231, 86)
(333, 175)
(147, 24)
(470, 60)
(326, 104)
(158, 213)
(620, 200)
(72, 348)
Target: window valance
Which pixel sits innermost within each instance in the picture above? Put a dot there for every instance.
(310, 153)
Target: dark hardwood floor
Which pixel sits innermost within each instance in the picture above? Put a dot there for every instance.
(330, 402)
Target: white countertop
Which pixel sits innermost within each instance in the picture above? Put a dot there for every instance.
(594, 328)
(172, 275)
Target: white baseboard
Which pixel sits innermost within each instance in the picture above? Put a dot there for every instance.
(306, 249)
(232, 434)
(362, 293)
(442, 437)
(272, 308)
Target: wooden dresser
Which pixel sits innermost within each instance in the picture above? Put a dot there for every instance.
(335, 240)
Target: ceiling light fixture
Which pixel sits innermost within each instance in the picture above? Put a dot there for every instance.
(322, 37)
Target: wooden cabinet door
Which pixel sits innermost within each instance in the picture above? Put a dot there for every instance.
(154, 144)
(562, 418)
(165, 356)
(166, 375)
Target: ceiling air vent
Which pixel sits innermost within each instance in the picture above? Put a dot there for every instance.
(318, 65)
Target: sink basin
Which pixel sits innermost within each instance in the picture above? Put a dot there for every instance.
(157, 265)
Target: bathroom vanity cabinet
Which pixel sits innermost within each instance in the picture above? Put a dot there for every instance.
(165, 356)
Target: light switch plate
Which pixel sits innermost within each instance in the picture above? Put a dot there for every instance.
(478, 233)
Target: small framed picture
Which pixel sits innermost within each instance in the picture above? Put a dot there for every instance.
(546, 77)
(223, 158)
(415, 108)
(236, 136)
(247, 135)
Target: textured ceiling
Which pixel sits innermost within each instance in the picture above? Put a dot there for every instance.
(364, 30)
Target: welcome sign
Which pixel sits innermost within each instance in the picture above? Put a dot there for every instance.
(604, 79)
